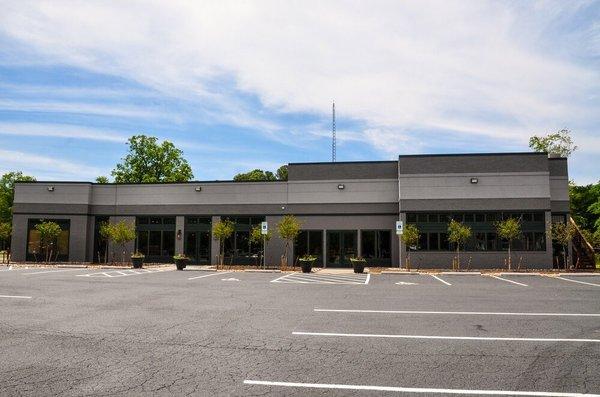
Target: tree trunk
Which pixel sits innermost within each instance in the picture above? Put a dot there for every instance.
(509, 259)
(457, 257)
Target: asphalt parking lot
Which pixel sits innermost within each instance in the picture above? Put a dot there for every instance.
(91, 332)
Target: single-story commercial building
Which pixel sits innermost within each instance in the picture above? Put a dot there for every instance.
(346, 209)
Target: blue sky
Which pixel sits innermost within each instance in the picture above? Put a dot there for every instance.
(249, 85)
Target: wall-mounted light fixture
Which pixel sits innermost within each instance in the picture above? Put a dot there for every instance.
(50, 188)
(198, 188)
(283, 207)
(474, 180)
(178, 234)
(341, 186)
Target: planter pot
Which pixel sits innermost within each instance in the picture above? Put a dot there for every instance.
(306, 266)
(137, 262)
(181, 263)
(359, 266)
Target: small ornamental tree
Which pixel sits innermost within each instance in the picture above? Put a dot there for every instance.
(49, 232)
(458, 234)
(563, 233)
(222, 230)
(410, 237)
(122, 233)
(256, 237)
(105, 236)
(509, 229)
(288, 229)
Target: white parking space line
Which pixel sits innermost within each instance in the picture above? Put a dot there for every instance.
(54, 271)
(458, 313)
(444, 337)
(576, 281)
(508, 281)
(428, 390)
(439, 279)
(317, 278)
(208, 275)
(123, 273)
(15, 296)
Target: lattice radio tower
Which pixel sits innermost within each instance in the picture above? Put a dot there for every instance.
(333, 138)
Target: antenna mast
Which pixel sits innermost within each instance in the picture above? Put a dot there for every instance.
(333, 140)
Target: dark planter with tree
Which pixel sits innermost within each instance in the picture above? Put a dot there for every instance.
(307, 262)
(137, 260)
(358, 264)
(181, 261)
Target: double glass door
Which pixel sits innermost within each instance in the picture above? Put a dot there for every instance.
(197, 247)
(341, 246)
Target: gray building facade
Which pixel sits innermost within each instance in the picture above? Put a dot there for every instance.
(346, 209)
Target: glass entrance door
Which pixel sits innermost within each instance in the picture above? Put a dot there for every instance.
(341, 246)
(197, 247)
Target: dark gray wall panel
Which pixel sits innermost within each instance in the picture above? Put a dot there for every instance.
(475, 204)
(481, 260)
(559, 206)
(332, 171)
(490, 163)
(558, 167)
(51, 208)
(250, 209)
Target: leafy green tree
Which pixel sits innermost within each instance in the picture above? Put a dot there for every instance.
(7, 192)
(255, 175)
(458, 234)
(509, 229)
(258, 175)
(585, 208)
(151, 162)
(101, 179)
(288, 229)
(410, 237)
(282, 173)
(5, 232)
(49, 232)
(559, 143)
(120, 234)
(222, 230)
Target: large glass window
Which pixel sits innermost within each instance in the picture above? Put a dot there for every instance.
(156, 238)
(433, 230)
(57, 250)
(309, 242)
(238, 248)
(376, 246)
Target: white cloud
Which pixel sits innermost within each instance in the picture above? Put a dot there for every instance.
(500, 71)
(60, 131)
(44, 166)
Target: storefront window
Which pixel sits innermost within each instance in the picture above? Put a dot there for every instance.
(58, 249)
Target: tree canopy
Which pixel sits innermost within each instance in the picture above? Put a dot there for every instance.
(148, 162)
(559, 143)
(585, 209)
(258, 175)
(7, 192)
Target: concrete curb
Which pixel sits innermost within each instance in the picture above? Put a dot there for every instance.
(461, 273)
(579, 274)
(516, 274)
(262, 270)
